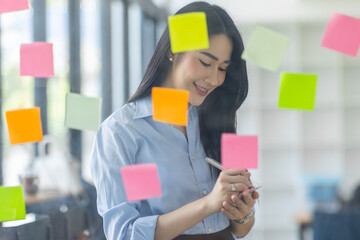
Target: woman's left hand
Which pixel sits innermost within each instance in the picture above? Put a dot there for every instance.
(239, 207)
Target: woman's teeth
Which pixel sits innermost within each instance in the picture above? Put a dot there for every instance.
(202, 89)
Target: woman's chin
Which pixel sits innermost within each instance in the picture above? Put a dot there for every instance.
(196, 102)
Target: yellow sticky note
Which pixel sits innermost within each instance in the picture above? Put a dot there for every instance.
(12, 204)
(297, 91)
(188, 32)
(170, 105)
(24, 125)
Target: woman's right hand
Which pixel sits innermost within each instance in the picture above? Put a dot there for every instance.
(222, 190)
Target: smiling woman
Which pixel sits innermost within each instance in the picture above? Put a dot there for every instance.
(197, 202)
(200, 72)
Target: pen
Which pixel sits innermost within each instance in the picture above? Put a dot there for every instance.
(214, 163)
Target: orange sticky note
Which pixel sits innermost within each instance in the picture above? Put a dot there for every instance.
(37, 60)
(24, 125)
(170, 105)
(13, 5)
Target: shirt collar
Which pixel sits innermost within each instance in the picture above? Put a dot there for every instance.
(144, 108)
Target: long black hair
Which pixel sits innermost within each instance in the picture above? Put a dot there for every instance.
(217, 114)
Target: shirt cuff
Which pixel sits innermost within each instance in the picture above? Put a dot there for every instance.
(144, 227)
(236, 237)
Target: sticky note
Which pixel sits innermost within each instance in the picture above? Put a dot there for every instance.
(141, 181)
(12, 204)
(239, 152)
(297, 91)
(342, 34)
(266, 48)
(13, 5)
(188, 32)
(36, 60)
(170, 105)
(24, 125)
(81, 112)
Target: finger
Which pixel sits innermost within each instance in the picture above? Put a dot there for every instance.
(240, 186)
(255, 195)
(239, 179)
(227, 213)
(240, 204)
(234, 172)
(232, 210)
(248, 200)
(243, 210)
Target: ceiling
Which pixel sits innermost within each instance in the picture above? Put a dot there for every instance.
(253, 11)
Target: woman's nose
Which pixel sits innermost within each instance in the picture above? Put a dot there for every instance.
(212, 78)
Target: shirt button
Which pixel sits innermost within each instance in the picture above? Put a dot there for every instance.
(209, 229)
(192, 157)
(204, 192)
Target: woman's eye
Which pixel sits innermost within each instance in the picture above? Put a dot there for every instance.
(203, 63)
(222, 69)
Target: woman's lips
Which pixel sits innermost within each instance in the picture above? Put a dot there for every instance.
(200, 90)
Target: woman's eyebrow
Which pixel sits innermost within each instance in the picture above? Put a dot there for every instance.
(213, 57)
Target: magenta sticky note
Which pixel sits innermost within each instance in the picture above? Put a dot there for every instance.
(141, 181)
(239, 152)
(342, 34)
(13, 5)
(37, 60)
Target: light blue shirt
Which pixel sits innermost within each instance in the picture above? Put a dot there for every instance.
(131, 136)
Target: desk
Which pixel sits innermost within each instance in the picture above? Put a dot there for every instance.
(34, 226)
(68, 214)
(43, 196)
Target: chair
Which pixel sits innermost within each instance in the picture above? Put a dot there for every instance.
(77, 221)
(344, 225)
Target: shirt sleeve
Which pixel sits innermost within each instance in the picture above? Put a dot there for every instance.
(122, 220)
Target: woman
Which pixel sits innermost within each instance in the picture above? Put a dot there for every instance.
(198, 202)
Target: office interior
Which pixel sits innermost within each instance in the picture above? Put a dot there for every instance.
(308, 160)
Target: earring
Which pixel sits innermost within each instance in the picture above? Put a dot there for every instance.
(171, 59)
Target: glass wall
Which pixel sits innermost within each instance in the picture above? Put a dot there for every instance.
(60, 163)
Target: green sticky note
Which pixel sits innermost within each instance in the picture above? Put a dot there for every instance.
(12, 204)
(188, 32)
(297, 91)
(266, 48)
(82, 113)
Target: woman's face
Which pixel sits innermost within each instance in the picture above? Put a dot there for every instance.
(200, 72)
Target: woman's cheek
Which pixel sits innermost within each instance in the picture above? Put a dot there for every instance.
(222, 78)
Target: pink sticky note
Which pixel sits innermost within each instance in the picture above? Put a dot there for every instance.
(13, 5)
(36, 60)
(342, 34)
(141, 181)
(239, 152)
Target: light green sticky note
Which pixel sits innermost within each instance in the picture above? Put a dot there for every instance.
(12, 203)
(82, 113)
(188, 32)
(266, 48)
(297, 91)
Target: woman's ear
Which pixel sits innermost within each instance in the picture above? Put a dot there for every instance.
(170, 57)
